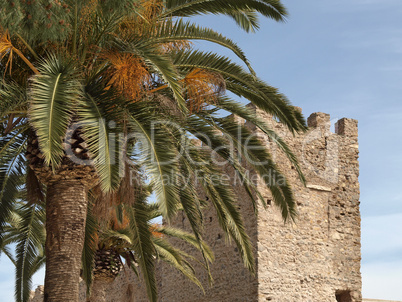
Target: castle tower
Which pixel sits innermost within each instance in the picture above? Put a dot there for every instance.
(317, 258)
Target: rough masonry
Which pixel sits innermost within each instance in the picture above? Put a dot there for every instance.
(315, 259)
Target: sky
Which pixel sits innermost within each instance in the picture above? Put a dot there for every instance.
(344, 58)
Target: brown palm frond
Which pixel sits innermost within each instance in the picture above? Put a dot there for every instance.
(130, 188)
(203, 88)
(7, 48)
(103, 203)
(116, 224)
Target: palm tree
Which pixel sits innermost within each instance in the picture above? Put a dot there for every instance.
(105, 65)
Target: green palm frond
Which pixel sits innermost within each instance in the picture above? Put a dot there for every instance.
(30, 248)
(12, 97)
(25, 231)
(6, 250)
(203, 130)
(190, 202)
(186, 8)
(246, 19)
(157, 155)
(102, 131)
(243, 84)
(229, 217)
(221, 196)
(167, 253)
(53, 96)
(186, 237)
(114, 236)
(249, 115)
(117, 7)
(11, 174)
(170, 31)
(257, 155)
(142, 245)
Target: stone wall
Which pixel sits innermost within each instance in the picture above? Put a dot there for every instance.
(317, 258)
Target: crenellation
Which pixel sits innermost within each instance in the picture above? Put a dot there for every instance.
(347, 127)
(318, 119)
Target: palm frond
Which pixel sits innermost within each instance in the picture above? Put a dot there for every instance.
(142, 245)
(158, 63)
(12, 166)
(100, 122)
(29, 250)
(169, 31)
(229, 217)
(221, 196)
(6, 250)
(206, 133)
(246, 19)
(249, 115)
(186, 8)
(53, 97)
(245, 85)
(257, 155)
(157, 155)
(188, 238)
(12, 96)
(167, 253)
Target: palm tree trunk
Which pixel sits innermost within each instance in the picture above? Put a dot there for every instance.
(99, 289)
(66, 210)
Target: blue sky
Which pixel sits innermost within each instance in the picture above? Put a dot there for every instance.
(341, 57)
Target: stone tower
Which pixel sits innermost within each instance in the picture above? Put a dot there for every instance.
(317, 258)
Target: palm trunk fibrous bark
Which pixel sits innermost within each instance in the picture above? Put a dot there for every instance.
(66, 209)
(66, 212)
